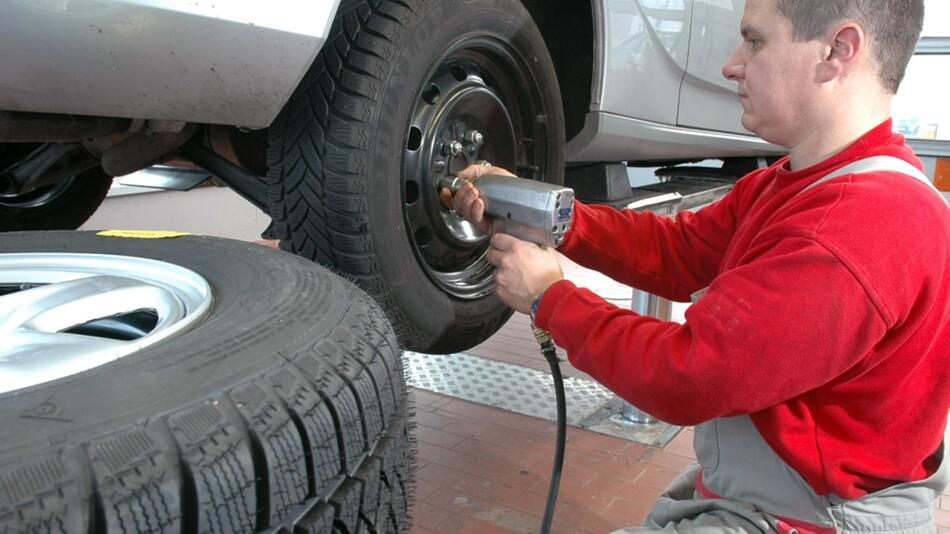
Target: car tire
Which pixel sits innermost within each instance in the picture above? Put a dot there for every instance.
(285, 408)
(356, 155)
(63, 206)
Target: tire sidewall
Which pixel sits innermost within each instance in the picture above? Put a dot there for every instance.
(254, 316)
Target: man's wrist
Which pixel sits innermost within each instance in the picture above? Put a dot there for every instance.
(535, 304)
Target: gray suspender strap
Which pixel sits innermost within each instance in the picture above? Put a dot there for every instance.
(878, 163)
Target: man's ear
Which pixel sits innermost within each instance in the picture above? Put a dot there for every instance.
(846, 45)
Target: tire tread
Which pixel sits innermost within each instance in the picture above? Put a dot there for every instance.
(342, 83)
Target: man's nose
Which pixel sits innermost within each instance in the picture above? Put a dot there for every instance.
(734, 69)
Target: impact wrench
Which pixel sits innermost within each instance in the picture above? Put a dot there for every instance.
(540, 213)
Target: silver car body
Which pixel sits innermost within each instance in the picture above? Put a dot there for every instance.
(657, 91)
(209, 61)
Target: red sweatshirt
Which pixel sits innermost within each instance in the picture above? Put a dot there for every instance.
(827, 318)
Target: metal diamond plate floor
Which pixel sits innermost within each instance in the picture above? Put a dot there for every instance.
(517, 389)
(530, 392)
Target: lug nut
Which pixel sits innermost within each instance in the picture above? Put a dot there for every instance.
(474, 137)
(451, 148)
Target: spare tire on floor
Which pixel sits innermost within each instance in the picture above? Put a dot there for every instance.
(279, 403)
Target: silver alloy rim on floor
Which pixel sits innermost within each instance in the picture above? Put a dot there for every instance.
(48, 297)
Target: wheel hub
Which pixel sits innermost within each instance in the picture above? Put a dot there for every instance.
(459, 120)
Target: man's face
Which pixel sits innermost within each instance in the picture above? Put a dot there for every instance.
(776, 75)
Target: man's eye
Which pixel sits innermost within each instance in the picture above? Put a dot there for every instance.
(754, 43)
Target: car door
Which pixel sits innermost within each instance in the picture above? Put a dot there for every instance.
(707, 100)
(646, 46)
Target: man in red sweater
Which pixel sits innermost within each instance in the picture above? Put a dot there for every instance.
(815, 361)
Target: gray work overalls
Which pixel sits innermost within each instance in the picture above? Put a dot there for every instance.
(734, 460)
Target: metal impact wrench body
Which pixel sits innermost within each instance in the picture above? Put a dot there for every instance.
(527, 209)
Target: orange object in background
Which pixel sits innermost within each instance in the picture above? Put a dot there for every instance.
(942, 174)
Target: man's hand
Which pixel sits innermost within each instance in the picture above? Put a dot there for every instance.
(525, 270)
(466, 201)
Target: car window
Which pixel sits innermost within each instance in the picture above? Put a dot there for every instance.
(920, 110)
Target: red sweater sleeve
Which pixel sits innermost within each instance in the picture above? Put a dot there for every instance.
(669, 257)
(725, 360)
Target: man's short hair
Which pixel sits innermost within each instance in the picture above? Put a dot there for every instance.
(893, 28)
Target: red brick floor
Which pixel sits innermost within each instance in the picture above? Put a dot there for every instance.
(484, 470)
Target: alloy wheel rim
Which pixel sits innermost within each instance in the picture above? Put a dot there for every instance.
(65, 313)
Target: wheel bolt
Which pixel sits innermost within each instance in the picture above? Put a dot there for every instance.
(474, 137)
(451, 148)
